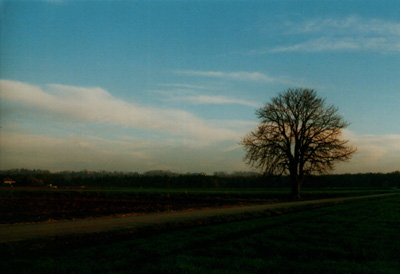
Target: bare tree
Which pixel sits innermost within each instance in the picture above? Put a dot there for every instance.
(298, 135)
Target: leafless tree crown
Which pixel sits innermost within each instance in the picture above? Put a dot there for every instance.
(298, 134)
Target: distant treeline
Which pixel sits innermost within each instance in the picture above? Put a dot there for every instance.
(166, 179)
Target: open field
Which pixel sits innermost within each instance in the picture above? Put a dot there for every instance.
(112, 226)
(358, 237)
(19, 205)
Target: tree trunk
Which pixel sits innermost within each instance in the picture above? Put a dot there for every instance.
(296, 183)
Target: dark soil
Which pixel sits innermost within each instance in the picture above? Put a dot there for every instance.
(21, 205)
(37, 206)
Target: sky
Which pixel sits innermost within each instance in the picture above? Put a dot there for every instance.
(174, 85)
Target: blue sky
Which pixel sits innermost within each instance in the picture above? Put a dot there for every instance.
(135, 86)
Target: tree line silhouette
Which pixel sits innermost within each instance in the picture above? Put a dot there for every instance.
(167, 179)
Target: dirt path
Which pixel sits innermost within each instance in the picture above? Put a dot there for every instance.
(22, 232)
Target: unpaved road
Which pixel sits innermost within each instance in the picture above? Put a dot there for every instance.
(23, 232)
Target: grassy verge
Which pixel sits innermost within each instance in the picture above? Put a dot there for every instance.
(359, 237)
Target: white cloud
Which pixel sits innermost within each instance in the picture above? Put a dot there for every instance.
(239, 75)
(73, 152)
(173, 92)
(347, 34)
(192, 94)
(186, 86)
(349, 25)
(341, 44)
(54, 1)
(77, 152)
(219, 100)
(98, 106)
(375, 153)
(236, 124)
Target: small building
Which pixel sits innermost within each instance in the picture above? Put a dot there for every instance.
(8, 181)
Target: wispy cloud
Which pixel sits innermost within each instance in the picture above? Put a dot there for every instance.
(346, 26)
(342, 44)
(55, 2)
(173, 92)
(376, 153)
(347, 34)
(219, 100)
(75, 152)
(78, 152)
(195, 94)
(198, 99)
(238, 75)
(185, 86)
(96, 105)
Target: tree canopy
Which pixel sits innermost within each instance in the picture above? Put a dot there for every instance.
(298, 135)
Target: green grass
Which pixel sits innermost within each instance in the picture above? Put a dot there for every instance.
(359, 237)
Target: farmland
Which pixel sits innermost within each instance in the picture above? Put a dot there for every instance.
(40, 204)
(357, 237)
